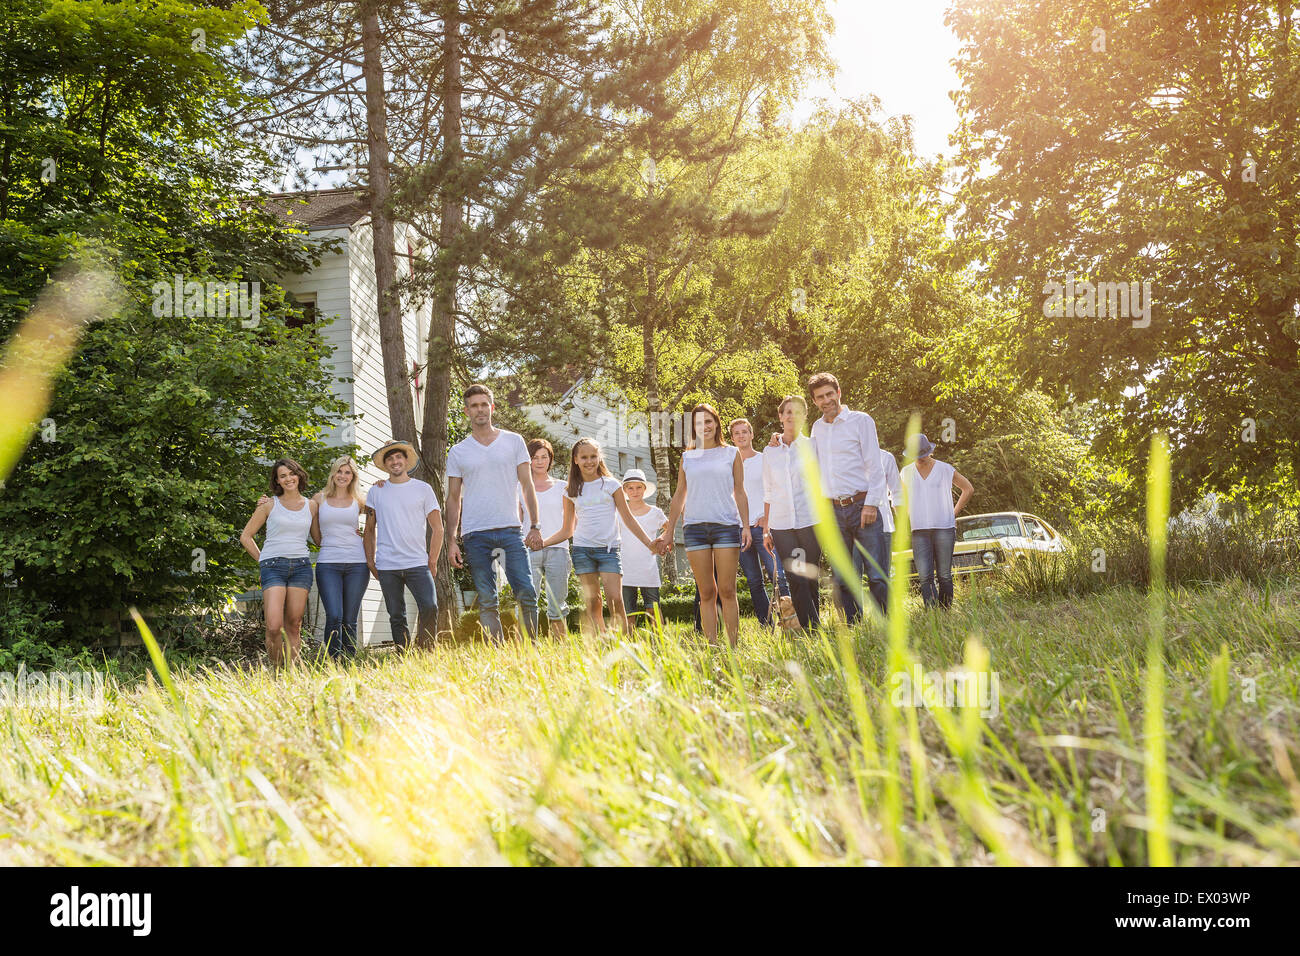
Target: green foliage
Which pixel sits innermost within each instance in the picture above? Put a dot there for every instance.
(1145, 143)
(157, 442)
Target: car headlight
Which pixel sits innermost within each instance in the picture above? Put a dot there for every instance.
(989, 559)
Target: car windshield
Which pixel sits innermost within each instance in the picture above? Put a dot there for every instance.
(988, 526)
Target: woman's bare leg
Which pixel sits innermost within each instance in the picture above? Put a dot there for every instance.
(707, 589)
(727, 560)
(273, 600)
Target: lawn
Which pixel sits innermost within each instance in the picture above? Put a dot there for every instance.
(659, 750)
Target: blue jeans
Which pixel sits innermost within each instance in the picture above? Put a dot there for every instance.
(932, 552)
(482, 550)
(632, 597)
(420, 582)
(754, 560)
(552, 565)
(867, 545)
(801, 554)
(341, 588)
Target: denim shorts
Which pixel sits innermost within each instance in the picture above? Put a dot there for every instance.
(285, 573)
(596, 560)
(710, 534)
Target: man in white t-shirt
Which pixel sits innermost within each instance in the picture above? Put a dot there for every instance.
(396, 515)
(486, 471)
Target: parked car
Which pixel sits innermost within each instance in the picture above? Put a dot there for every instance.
(988, 542)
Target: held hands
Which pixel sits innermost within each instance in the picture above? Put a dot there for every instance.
(534, 540)
(662, 544)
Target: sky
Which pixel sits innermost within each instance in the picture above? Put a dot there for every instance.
(898, 50)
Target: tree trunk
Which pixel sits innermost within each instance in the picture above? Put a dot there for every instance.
(397, 373)
(442, 321)
(660, 428)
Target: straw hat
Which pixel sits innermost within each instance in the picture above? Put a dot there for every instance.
(393, 444)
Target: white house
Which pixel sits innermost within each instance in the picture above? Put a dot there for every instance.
(340, 294)
(584, 409)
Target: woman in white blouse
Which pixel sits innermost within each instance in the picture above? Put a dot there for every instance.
(928, 483)
(788, 521)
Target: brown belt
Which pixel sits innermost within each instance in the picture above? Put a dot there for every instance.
(844, 500)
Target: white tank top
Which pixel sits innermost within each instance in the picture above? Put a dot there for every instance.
(339, 543)
(286, 531)
(710, 485)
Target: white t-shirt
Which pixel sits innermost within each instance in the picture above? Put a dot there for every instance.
(489, 480)
(597, 524)
(550, 512)
(930, 505)
(753, 486)
(893, 489)
(640, 564)
(401, 512)
(710, 486)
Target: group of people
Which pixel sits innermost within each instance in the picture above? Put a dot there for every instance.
(743, 510)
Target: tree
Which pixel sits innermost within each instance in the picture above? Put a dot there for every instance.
(1155, 146)
(680, 273)
(163, 424)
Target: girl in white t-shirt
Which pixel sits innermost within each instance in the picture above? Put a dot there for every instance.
(640, 564)
(593, 503)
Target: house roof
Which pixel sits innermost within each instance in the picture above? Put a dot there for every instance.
(321, 208)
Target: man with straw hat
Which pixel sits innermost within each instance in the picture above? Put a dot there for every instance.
(396, 513)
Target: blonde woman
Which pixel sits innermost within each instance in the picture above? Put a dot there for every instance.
(282, 561)
(341, 570)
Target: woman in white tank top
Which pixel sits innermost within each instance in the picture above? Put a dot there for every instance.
(342, 574)
(711, 493)
(283, 561)
(928, 484)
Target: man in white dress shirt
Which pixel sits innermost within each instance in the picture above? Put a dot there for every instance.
(853, 478)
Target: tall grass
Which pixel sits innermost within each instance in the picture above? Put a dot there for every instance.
(1111, 743)
(664, 750)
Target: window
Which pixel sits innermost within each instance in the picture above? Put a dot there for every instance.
(306, 305)
(1036, 531)
(983, 527)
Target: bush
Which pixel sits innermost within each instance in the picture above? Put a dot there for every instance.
(32, 636)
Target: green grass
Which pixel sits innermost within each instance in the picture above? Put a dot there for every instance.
(662, 751)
